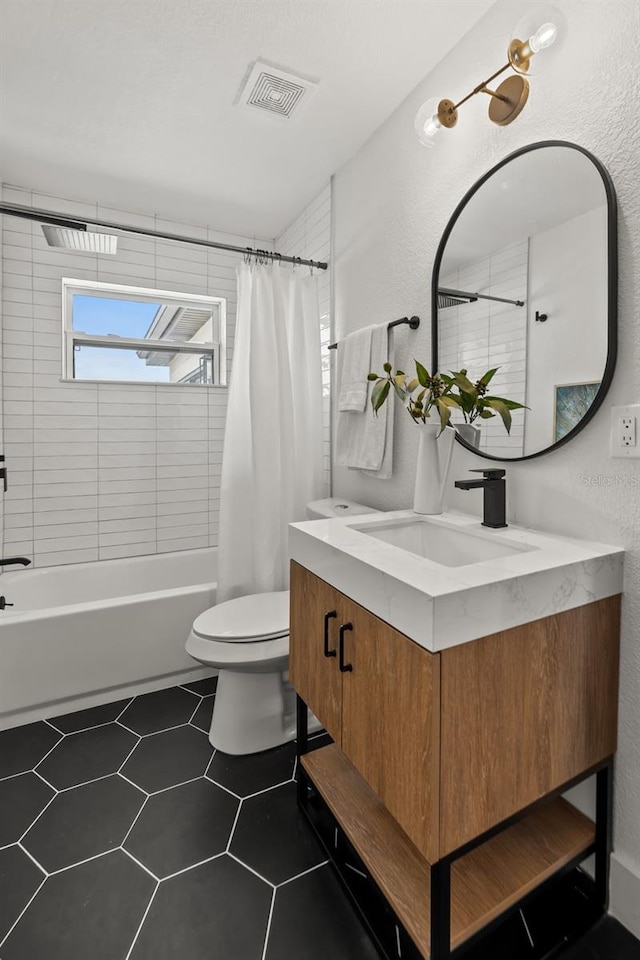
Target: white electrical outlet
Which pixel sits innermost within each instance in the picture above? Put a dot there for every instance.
(624, 431)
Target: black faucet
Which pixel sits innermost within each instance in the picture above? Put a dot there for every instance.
(495, 489)
(12, 561)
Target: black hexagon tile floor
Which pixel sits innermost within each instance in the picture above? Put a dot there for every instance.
(146, 844)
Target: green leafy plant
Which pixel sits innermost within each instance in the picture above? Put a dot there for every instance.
(476, 403)
(444, 393)
(420, 394)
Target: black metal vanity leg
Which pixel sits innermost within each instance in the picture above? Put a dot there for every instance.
(441, 910)
(302, 727)
(604, 830)
(302, 745)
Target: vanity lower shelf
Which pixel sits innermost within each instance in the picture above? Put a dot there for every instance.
(485, 882)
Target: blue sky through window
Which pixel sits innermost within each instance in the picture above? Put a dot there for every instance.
(122, 318)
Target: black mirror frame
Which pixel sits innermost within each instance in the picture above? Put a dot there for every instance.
(612, 289)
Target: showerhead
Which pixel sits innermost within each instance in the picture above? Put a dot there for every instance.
(85, 240)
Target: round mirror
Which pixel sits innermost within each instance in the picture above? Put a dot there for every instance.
(525, 283)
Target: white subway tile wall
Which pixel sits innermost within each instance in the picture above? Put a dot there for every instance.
(102, 471)
(484, 334)
(309, 236)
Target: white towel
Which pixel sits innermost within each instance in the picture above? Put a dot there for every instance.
(356, 364)
(364, 441)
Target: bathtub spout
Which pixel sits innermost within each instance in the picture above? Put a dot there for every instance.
(11, 561)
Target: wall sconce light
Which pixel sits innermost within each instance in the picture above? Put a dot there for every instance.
(507, 101)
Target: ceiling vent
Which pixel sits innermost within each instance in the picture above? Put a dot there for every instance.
(274, 90)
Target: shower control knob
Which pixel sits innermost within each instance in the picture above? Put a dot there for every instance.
(3, 603)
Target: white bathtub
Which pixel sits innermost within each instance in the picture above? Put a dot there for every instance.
(88, 633)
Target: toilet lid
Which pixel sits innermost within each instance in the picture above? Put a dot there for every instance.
(260, 616)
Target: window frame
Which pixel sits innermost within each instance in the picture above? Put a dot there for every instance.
(117, 291)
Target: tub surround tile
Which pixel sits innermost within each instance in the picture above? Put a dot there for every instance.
(219, 909)
(19, 880)
(182, 827)
(169, 758)
(202, 717)
(83, 822)
(299, 926)
(93, 717)
(272, 836)
(22, 798)
(81, 757)
(91, 911)
(153, 712)
(255, 773)
(21, 748)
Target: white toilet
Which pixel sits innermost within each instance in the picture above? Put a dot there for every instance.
(247, 639)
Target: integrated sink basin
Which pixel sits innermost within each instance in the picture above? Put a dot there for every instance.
(442, 544)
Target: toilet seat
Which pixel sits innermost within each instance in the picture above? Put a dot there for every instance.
(256, 618)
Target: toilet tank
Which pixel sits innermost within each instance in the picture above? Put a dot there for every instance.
(336, 507)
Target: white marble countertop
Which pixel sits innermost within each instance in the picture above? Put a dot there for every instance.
(440, 606)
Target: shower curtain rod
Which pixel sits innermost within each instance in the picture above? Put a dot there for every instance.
(76, 223)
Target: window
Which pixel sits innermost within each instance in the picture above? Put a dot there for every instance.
(120, 333)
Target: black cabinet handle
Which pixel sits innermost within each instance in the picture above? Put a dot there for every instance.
(327, 618)
(344, 667)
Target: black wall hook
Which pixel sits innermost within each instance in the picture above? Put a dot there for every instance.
(541, 317)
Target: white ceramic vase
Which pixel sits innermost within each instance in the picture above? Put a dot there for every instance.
(469, 433)
(434, 460)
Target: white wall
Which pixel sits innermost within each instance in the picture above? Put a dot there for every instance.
(98, 471)
(567, 281)
(309, 237)
(391, 204)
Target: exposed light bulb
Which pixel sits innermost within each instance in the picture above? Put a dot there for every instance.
(543, 37)
(427, 123)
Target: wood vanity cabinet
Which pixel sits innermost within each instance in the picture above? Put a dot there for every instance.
(445, 758)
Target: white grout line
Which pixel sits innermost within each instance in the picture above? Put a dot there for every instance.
(251, 870)
(140, 864)
(127, 704)
(303, 874)
(200, 863)
(130, 752)
(210, 761)
(200, 699)
(222, 787)
(23, 911)
(42, 759)
(85, 783)
(171, 787)
(126, 836)
(79, 863)
(268, 930)
(192, 692)
(31, 857)
(233, 827)
(33, 823)
(136, 785)
(153, 733)
(144, 917)
(274, 786)
(44, 780)
(12, 776)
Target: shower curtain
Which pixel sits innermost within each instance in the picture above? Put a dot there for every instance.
(272, 457)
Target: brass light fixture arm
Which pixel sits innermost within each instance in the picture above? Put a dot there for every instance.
(482, 87)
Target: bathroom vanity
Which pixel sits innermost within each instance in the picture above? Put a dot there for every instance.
(467, 678)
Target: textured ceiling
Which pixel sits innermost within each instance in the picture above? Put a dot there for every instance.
(130, 102)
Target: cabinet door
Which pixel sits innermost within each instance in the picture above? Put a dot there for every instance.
(391, 722)
(315, 676)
